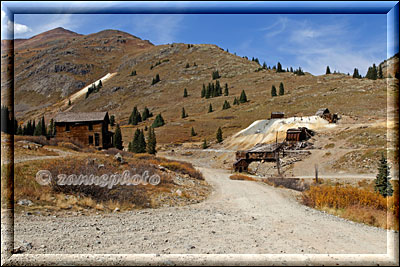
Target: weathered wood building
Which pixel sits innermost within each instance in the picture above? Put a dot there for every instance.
(260, 152)
(277, 115)
(298, 134)
(89, 128)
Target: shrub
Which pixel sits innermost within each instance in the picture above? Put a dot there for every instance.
(241, 177)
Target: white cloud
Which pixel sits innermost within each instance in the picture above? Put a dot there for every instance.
(276, 28)
(313, 47)
(9, 25)
(160, 29)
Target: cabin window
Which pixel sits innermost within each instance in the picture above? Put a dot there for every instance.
(90, 139)
(90, 127)
(67, 127)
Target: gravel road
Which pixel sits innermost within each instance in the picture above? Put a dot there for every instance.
(238, 217)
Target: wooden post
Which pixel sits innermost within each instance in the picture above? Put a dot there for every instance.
(316, 173)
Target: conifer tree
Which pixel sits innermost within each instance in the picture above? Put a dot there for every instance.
(118, 138)
(193, 133)
(226, 91)
(210, 109)
(219, 135)
(226, 105)
(134, 146)
(50, 132)
(38, 129)
(184, 115)
(203, 91)
(141, 142)
(264, 66)
(380, 72)
(185, 93)
(112, 120)
(291, 69)
(146, 114)
(243, 97)
(235, 101)
(279, 67)
(151, 141)
(135, 117)
(133, 73)
(382, 181)
(328, 71)
(356, 74)
(273, 91)
(158, 122)
(69, 102)
(205, 146)
(100, 85)
(281, 89)
(187, 65)
(43, 128)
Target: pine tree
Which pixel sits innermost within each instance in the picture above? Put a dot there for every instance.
(43, 129)
(215, 75)
(151, 141)
(184, 115)
(226, 91)
(69, 102)
(187, 65)
(356, 74)
(382, 181)
(226, 105)
(112, 120)
(380, 72)
(133, 73)
(210, 109)
(134, 146)
(208, 92)
(203, 91)
(118, 138)
(38, 129)
(279, 68)
(219, 135)
(281, 89)
(141, 143)
(100, 85)
(205, 146)
(243, 97)
(235, 101)
(372, 73)
(158, 122)
(135, 117)
(185, 93)
(291, 69)
(146, 114)
(273, 91)
(264, 66)
(328, 71)
(193, 133)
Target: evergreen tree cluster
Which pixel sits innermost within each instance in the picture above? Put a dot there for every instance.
(256, 60)
(226, 105)
(213, 90)
(215, 75)
(92, 89)
(298, 71)
(136, 117)
(158, 122)
(139, 144)
(156, 79)
(279, 68)
(356, 74)
(133, 73)
(374, 72)
(33, 129)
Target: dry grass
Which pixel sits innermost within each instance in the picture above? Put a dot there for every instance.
(62, 142)
(70, 197)
(356, 204)
(241, 177)
(291, 183)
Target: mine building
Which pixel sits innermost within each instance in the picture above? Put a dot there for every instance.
(89, 128)
(277, 115)
(260, 152)
(298, 134)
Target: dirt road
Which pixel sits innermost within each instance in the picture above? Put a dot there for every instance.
(239, 217)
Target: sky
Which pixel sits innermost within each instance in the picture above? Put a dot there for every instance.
(310, 41)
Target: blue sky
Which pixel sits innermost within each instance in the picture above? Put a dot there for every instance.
(343, 42)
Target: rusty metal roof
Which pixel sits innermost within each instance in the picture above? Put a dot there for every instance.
(81, 116)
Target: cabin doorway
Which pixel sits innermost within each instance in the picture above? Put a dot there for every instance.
(96, 139)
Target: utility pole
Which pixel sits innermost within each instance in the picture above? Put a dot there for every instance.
(316, 173)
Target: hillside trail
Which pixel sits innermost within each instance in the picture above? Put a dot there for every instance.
(238, 217)
(61, 154)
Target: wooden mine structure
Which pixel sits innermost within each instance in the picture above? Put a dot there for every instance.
(260, 152)
(325, 114)
(277, 115)
(300, 134)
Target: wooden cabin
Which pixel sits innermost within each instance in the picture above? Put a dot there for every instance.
(277, 115)
(89, 128)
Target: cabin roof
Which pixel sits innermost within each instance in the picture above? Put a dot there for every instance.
(322, 111)
(81, 116)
